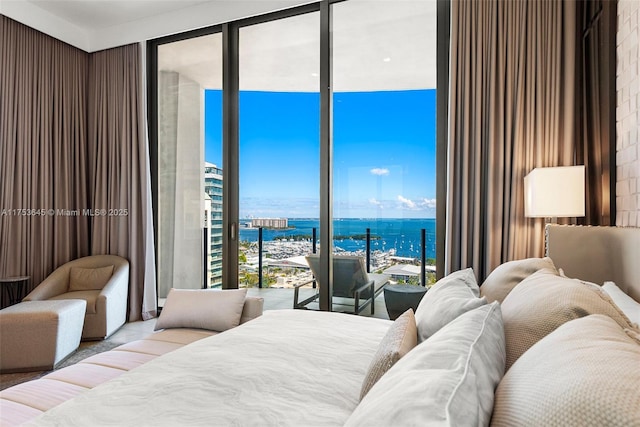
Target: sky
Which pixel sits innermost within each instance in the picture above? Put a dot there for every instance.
(384, 153)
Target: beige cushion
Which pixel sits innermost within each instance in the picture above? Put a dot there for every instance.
(585, 373)
(89, 279)
(447, 380)
(43, 394)
(215, 310)
(91, 297)
(506, 276)
(451, 296)
(544, 301)
(401, 337)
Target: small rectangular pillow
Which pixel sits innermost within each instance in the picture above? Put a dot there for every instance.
(214, 310)
(89, 279)
(401, 337)
(448, 380)
(451, 296)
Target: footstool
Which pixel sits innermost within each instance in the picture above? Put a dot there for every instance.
(36, 335)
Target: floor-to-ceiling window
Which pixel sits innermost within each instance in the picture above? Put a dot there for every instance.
(384, 114)
(279, 150)
(382, 139)
(189, 177)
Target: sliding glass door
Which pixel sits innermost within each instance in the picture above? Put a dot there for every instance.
(384, 115)
(328, 112)
(279, 148)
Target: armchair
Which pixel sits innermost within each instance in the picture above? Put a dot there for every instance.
(350, 280)
(104, 291)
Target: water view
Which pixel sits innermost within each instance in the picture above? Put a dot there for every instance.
(401, 237)
(393, 242)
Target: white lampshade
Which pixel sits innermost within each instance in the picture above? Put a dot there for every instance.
(554, 192)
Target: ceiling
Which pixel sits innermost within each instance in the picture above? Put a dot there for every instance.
(98, 14)
(377, 44)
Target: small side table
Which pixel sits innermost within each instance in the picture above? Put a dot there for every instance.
(15, 287)
(400, 298)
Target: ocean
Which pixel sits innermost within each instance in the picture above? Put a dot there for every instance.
(401, 235)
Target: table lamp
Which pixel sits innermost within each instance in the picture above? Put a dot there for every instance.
(554, 192)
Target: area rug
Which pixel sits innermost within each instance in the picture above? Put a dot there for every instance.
(86, 349)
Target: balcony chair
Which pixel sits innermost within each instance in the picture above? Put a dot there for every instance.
(102, 281)
(350, 280)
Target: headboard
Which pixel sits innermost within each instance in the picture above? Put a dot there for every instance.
(597, 254)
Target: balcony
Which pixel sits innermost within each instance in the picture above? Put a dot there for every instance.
(273, 268)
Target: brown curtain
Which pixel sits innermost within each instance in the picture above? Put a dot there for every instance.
(73, 141)
(512, 107)
(119, 171)
(43, 153)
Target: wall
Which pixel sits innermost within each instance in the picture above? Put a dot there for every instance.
(181, 187)
(628, 115)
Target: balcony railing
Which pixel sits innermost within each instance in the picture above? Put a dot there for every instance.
(255, 277)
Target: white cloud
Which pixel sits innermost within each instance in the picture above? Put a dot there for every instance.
(380, 171)
(428, 203)
(375, 202)
(406, 203)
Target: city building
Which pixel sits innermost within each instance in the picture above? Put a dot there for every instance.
(270, 222)
(213, 223)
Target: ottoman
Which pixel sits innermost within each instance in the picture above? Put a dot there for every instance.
(36, 335)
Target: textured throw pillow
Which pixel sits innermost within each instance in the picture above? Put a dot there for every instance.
(447, 299)
(544, 301)
(447, 380)
(202, 309)
(89, 279)
(585, 373)
(506, 276)
(401, 337)
(629, 306)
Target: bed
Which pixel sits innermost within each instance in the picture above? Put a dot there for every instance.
(296, 367)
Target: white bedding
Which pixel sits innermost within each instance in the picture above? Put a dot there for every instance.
(298, 368)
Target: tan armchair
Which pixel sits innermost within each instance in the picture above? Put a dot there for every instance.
(106, 302)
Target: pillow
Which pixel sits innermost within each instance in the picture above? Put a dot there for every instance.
(214, 310)
(544, 301)
(506, 276)
(583, 373)
(401, 337)
(629, 306)
(451, 296)
(89, 279)
(447, 380)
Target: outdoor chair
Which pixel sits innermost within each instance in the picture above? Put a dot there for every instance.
(350, 280)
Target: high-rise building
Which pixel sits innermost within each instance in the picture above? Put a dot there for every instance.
(213, 222)
(270, 222)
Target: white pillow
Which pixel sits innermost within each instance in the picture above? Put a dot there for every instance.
(629, 306)
(214, 310)
(544, 301)
(447, 380)
(506, 276)
(451, 296)
(585, 373)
